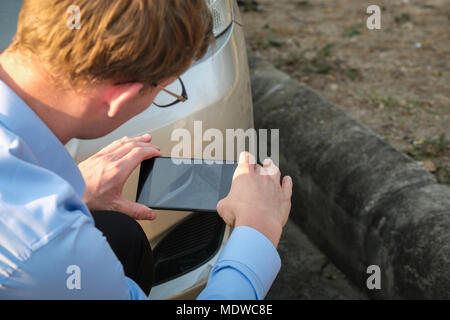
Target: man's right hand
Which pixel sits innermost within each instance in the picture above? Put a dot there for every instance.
(106, 172)
(257, 199)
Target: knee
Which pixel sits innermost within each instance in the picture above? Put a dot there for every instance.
(124, 228)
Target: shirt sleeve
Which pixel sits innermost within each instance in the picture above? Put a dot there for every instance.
(246, 268)
(77, 264)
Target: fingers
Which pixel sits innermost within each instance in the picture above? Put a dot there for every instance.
(135, 210)
(133, 158)
(247, 159)
(269, 168)
(127, 154)
(247, 164)
(286, 187)
(146, 138)
(129, 146)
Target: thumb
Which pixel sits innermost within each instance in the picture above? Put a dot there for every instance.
(135, 210)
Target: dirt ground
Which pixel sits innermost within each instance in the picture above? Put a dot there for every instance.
(394, 80)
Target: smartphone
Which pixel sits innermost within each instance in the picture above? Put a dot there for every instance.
(184, 184)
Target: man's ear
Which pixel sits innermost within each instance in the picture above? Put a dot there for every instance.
(119, 94)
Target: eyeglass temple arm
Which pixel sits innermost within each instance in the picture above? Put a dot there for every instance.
(181, 98)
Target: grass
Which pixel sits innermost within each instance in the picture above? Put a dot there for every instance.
(326, 50)
(269, 41)
(320, 63)
(445, 176)
(250, 5)
(442, 143)
(353, 31)
(303, 3)
(376, 98)
(353, 74)
(405, 107)
(275, 42)
(404, 17)
(432, 148)
(435, 149)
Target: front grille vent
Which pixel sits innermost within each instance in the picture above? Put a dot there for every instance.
(187, 246)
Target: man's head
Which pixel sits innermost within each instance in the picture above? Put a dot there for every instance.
(121, 49)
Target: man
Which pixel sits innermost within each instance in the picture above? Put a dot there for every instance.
(58, 84)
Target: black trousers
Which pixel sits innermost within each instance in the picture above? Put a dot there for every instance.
(130, 244)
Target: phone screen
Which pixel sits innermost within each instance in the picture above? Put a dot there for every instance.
(188, 186)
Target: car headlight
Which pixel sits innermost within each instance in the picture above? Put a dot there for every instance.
(222, 12)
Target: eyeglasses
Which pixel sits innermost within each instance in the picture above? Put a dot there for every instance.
(167, 98)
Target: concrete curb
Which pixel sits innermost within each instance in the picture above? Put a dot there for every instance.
(307, 274)
(360, 200)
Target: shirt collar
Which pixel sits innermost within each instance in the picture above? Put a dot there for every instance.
(50, 153)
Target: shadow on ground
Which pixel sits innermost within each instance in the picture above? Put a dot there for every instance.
(306, 273)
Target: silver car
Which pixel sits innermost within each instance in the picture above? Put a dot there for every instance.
(185, 244)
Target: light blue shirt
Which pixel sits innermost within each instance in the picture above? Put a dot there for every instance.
(46, 229)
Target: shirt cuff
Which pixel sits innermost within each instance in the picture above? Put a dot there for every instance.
(136, 292)
(252, 254)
